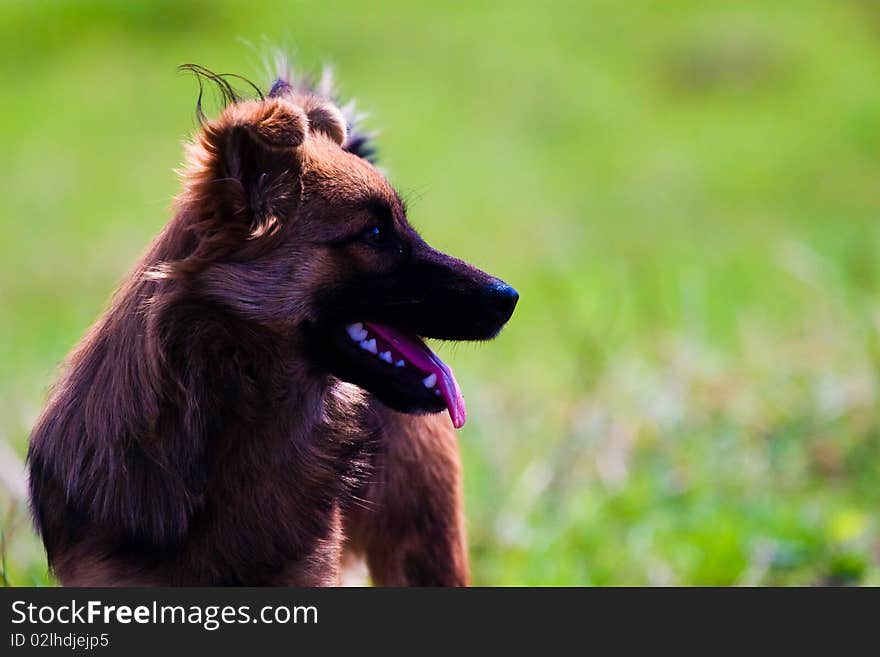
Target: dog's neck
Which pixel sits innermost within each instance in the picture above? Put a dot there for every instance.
(257, 376)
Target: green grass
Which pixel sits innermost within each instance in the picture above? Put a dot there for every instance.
(685, 194)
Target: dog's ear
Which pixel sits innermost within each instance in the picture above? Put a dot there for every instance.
(327, 119)
(243, 176)
(256, 166)
(241, 182)
(274, 123)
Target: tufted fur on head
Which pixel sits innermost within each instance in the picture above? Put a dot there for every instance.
(287, 82)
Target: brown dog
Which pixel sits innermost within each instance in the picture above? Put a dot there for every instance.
(255, 399)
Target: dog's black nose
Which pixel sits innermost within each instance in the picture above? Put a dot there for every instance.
(504, 297)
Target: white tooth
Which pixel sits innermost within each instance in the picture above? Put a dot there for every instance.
(399, 363)
(356, 332)
(430, 380)
(369, 345)
(386, 356)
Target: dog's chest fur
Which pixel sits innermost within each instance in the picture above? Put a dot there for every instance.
(273, 499)
(275, 492)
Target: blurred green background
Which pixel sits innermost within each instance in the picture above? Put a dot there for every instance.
(685, 194)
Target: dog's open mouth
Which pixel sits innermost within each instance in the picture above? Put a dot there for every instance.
(409, 359)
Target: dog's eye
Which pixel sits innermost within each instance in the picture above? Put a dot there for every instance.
(374, 235)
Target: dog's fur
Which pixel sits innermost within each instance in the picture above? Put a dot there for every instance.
(202, 432)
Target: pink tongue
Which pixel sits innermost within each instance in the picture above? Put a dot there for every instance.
(419, 355)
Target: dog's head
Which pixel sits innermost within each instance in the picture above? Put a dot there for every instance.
(291, 228)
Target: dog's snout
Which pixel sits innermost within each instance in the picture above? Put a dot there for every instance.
(504, 297)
